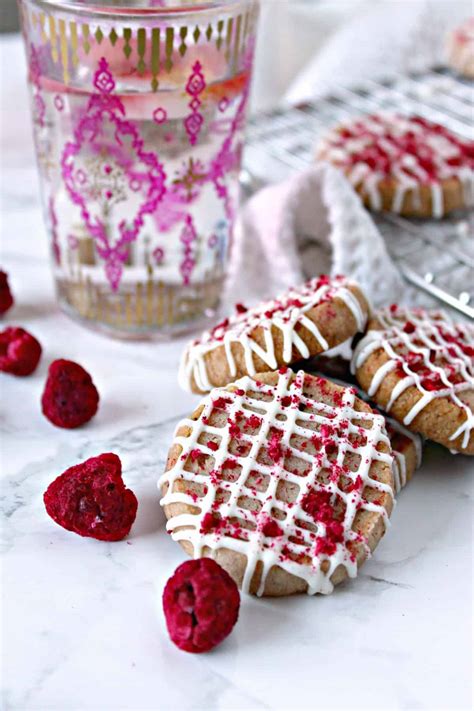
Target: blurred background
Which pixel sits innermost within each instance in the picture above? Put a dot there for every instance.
(293, 32)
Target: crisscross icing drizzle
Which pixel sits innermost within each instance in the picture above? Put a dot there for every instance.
(284, 313)
(427, 351)
(279, 477)
(408, 149)
(395, 431)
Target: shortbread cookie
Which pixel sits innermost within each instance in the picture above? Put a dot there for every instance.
(460, 49)
(419, 367)
(286, 480)
(403, 164)
(304, 321)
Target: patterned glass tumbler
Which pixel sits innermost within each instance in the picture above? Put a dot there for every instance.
(139, 111)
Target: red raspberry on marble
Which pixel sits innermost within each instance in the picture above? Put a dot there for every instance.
(19, 351)
(6, 297)
(70, 398)
(91, 500)
(201, 605)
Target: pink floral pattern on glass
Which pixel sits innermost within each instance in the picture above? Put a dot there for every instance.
(188, 237)
(59, 102)
(160, 115)
(194, 87)
(105, 109)
(158, 255)
(103, 129)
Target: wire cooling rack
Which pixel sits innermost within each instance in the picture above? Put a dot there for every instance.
(435, 256)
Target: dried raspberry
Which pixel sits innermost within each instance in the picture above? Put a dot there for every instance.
(409, 327)
(254, 422)
(274, 448)
(6, 298)
(230, 464)
(355, 485)
(220, 403)
(201, 605)
(19, 351)
(209, 522)
(91, 499)
(70, 398)
(271, 529)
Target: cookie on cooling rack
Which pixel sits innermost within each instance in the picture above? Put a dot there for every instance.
(304, 321)
(403, 164)
(285, 479)
(419, 367)
(460, 49)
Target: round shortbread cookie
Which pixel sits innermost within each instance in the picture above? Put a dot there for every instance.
(286, 480)
(302, 322)
(460, 49)
(403, 164)
(419, 367)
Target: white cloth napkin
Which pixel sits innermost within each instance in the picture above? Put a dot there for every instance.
(312, 223)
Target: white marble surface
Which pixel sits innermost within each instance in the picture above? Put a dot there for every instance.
(82, 628)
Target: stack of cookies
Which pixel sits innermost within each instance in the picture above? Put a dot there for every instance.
(287, 478)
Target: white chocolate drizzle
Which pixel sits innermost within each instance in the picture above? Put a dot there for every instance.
(431, 353)
(409, 150)
(399, 466)
(297, 423)
(285, 313)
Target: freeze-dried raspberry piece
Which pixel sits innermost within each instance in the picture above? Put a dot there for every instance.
(19, 351)
(6, 298)
(91, 499)
(70, 398)
(201, 605)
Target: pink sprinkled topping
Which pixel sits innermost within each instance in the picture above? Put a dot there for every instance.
(426, 351)
(285, 314)
(271, 529)
(394, 145)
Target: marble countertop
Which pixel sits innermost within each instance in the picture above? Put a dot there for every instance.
(82, 623)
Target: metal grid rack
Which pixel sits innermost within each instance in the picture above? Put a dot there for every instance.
(435, 256)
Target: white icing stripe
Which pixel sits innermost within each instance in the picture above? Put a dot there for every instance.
(408, 150)
(430, 349)
(286, 314)
(300, 533)
(399, 471)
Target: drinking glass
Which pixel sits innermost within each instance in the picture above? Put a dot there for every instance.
(139, 111)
